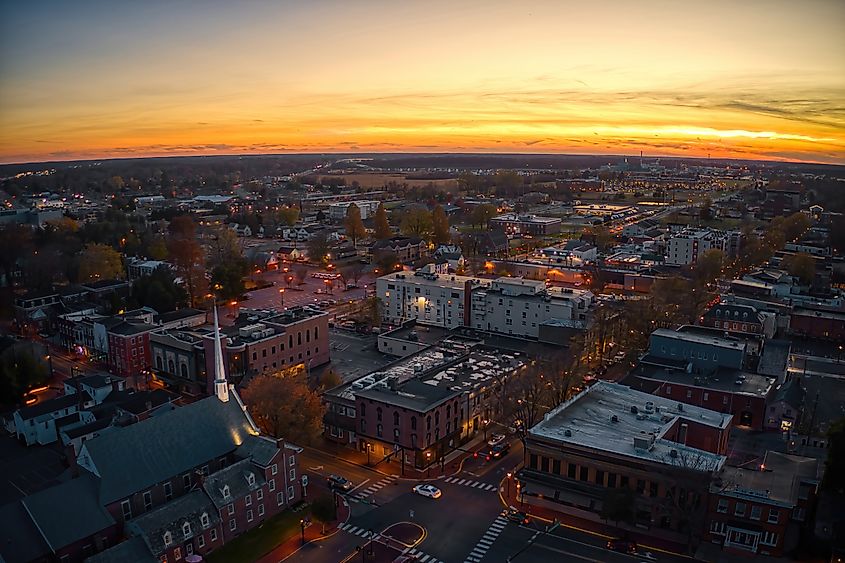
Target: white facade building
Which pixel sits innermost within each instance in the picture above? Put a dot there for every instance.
(337, 211)
(687, 246)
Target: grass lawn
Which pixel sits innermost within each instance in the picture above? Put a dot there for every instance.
(260, 541)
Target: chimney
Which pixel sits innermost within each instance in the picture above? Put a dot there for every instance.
(682, 433)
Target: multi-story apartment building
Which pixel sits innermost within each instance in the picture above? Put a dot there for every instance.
(518, 307)
(337, 211)
(740, 319)
(129, 348)
(534, 225)
(687, 246)
(406, 249)
(508, 306)
(428, 298)
(758, 509)
(610, 438)
(704, 352)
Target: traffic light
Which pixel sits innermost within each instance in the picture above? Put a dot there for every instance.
(488, 458)
(474, 454)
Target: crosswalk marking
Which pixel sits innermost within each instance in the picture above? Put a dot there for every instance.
(374, 488)
(471, 483)
(484, 543)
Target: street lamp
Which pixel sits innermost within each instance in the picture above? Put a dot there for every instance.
(510, 475)
(282, 297)
(428, 462)
(302, 527)
(50, 362)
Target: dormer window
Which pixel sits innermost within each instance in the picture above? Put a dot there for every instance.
(250, 478)
(186, 529)
(204, 521)
(225, 491)
(168, 539)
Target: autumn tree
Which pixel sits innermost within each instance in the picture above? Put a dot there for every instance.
(440, 226)
(318, 247)
(287, 216)
(381, 224)
(353, 224)
(188, 257)
(386, 261)
(100, 262)
(802, 266)
(481, 215)
(709, 265)
(508, 183)
(283, 406)
(416, 222)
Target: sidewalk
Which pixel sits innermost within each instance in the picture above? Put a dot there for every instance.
(645, 541)
(451, 465)
(313, 533)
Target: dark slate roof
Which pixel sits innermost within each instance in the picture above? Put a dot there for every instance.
(105, 284)
(171, 517)
(68, 512)
(128, 329)
(733, 312)
(179, 314)
(235, 476)
(791, 393)
(97, 380)
(20, 540)
(53, 405)
(415, 395)
(142, 401)
(260, 449)
(161, 447)
(396, 242)
(85, 429)
(134, 549)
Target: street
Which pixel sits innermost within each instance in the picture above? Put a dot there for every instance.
(465, 525)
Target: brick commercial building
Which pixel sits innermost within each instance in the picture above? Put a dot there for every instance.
(610, 441)
(266, 341)
(758, 510)
(825, 325)
(534, 225)
(418, 409)
(129, 348)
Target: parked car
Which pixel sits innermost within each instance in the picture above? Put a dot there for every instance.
(622, 546)
(428, 491)
(339, 483)
(496, 439)
(518, 517)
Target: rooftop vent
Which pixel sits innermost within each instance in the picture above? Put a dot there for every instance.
(567, 433)
(673, 453)
(614, 418)
(635, 410)
(680, 407)
(649, 407)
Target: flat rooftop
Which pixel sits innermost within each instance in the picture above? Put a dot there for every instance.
(585, 421)
(728, 380)
(440, 280)
(777, 479)
(699, 338)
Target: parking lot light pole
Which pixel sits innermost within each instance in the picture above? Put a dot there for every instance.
(510, 476)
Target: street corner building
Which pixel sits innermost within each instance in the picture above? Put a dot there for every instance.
(610, 441)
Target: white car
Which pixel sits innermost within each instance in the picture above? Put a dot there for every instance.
(496, 439)
(428, 491)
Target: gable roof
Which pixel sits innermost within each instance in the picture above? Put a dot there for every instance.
(161, 447)
(53, 405)
(68, 512)
(134, 549)
(171, 517)
(791, 393)
(235, 477)
(20, 540)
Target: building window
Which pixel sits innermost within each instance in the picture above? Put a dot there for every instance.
(571, 469)
(292, 474)
(148, 501)
(798, 514)
(126, 506)
(204, 521)
(260, 510)
(248, 500)
(231, 508)
(290, 493)
(378, 414)
(413, 423)
(739, 509)
(213, 534)
(226, 492)
(250, 479)
(600, 478)
(291, 460)
(259, 494)
(168, 539)
(168, 491)
(706, 396)
(274, 469)
(584, 473)
(249, 517)
(769, 538)
(186, 480)
(774, 515)
(718, 528)
(280, 499)
(233, 524)
(378, 430)
(177, 553)
(755, 512)
(271, 484)
(186, 530)
(201, 541)
(723, 506)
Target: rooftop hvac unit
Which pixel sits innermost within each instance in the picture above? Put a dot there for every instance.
(673, 453)
(567, 433)
(649, 407)
(680, 407)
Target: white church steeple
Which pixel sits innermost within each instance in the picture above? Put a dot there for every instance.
(221, 388)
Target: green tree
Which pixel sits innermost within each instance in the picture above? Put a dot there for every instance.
(482, 214)
(440, 226)
(353, 224)
(619, 505)
(323, 510)
(228, 279)
(802, 266)
(709, 266)
(283, 405)
(834, 475)
(318, 247)
(416, 222)
(288, 216)
(157, 248)
(100, 262)
(159, 290)
(382, 226)
(20, 371)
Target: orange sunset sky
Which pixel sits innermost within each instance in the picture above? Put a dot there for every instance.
(97, 79)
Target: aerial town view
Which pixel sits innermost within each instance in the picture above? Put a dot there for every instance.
(422, 282)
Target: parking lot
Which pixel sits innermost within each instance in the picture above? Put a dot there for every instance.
(313, 290)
